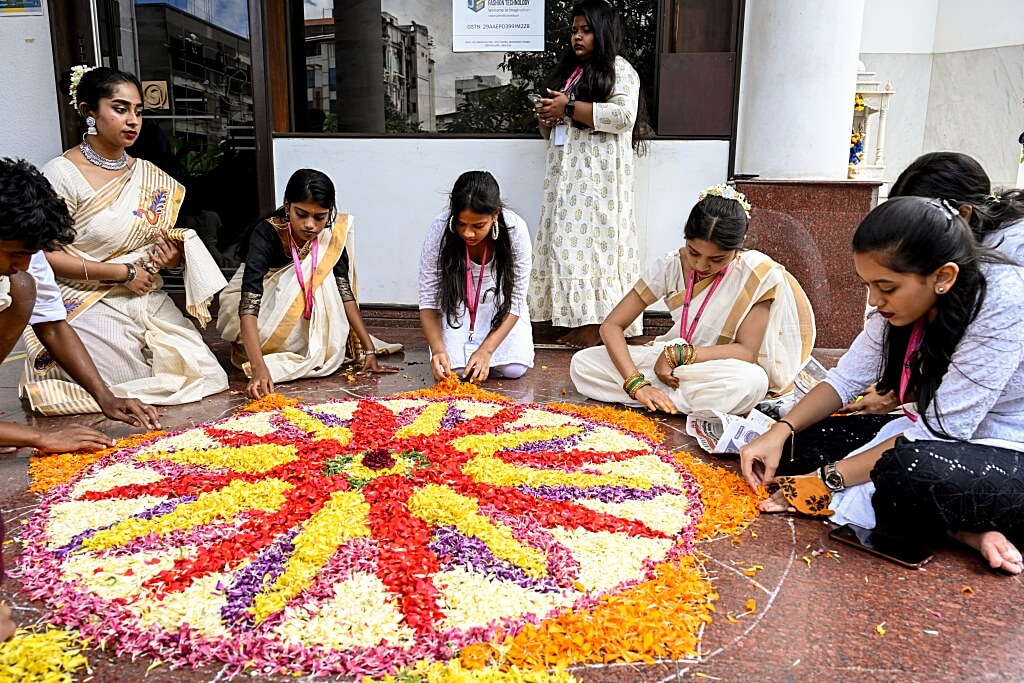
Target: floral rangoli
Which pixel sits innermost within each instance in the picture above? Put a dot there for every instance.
(367, 535)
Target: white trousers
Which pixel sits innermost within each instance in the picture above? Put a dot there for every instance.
(727, 386)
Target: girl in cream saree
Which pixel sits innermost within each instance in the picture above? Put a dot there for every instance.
(290, 311)
(142, 345)
(742, 325)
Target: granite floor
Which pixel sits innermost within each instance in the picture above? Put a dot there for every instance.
(816, 619)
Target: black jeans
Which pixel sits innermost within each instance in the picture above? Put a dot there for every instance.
(924, 487)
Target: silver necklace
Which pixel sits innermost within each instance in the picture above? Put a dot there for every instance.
(94, 158)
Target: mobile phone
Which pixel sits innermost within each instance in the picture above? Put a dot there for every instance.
(898, 550)
(534, 98)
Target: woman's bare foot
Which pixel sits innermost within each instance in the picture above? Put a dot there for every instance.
(776, 503)
(995, 548)
(582, 337)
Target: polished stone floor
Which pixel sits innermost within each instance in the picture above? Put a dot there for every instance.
(816, 618)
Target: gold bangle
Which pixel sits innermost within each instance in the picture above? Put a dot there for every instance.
(637, 388)
(669, 353)
(691, 355)
(635, 377)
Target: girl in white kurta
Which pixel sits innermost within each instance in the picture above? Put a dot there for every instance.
(586, 248)
(996, 218)
(742, 325)
(948, 336)
(474, 269)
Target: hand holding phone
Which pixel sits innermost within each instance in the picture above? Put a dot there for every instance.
(898, 550)
(534, 99)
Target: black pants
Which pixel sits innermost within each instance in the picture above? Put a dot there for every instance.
(924, 487)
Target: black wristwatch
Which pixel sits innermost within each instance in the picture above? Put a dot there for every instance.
(832, 478)
(570, 107)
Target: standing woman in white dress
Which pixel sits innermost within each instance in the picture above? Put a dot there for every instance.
(587, 254)
(474, 270)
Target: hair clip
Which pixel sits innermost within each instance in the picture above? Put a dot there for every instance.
(946, 207)
(951, 209)
(726, 192)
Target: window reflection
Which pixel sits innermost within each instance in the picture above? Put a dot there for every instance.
(406, 78)
(193, 58)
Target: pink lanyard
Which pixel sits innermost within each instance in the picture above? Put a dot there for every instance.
(472, 307)
(912, 347)
(308, 311)
(687, 333)
(574, 78)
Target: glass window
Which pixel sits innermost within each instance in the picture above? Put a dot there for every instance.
(194, 60)
(423, 86)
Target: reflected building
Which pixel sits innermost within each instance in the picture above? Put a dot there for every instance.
(198, 77)
(408, 69)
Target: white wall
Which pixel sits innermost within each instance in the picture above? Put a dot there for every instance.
(395, 188)
(978, 24)
(958, 72)
(29, 127)
(905, 26)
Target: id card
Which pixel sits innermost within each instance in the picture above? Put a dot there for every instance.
(560, 133)
(469, 348)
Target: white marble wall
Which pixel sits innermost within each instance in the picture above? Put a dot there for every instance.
(911, 76)
(958, 71)
(975, 106)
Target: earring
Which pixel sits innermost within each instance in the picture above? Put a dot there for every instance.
(451, 227)
(941, 290)
(494, 229)
(90, 123)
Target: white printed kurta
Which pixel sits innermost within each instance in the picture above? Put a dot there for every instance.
(586, 257)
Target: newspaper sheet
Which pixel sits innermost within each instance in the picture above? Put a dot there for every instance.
(727, 433)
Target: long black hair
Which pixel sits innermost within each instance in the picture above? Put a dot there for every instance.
(961, 179)
(718, 220)
(918, 235)
(478, 192)
(598, 79)
(305, 185)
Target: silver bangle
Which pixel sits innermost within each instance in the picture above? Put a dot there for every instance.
(370, 353)
(127, 281)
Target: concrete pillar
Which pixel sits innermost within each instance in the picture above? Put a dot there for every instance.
(797, 86)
